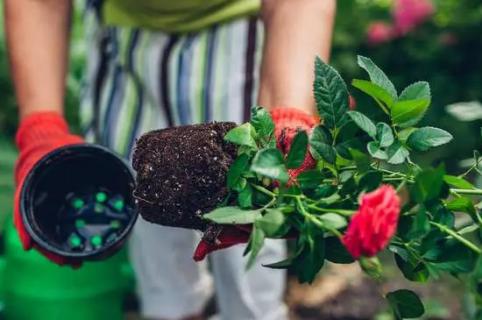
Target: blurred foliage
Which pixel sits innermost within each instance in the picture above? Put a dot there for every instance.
(446, 51)
(7, 160)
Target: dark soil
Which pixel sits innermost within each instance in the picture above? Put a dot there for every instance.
(181, 173)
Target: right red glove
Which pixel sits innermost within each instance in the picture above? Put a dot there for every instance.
(38, 134)
(288, 121)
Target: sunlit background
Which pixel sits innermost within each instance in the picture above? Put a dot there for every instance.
(439, 41)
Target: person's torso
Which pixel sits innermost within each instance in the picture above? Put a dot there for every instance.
(175, 16)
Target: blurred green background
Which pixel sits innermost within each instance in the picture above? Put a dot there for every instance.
(446, 51)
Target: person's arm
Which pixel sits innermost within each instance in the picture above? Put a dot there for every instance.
(37, 39)
(296, 31)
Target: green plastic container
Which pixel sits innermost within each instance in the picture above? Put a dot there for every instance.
(35, 288)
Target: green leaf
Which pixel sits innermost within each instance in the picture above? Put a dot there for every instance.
(417, 90)
(420, 225)
(405, 133)
(343, 148)
(325, 191)
(410, 266)
(312, 257)
(451, 256)
(331, 95)
(333, 220)
(375, 151)
(309, 179)
(428, 184)
(296, 155)
(336, 252)
(384, 134)
(427, 137)
(262, 122)
(321, 145)
(245, 197)
(256, 242)
(273, 223)
(462, 204)
(409, 112)
(362, 161)
(465, 111)
(411, 269)
(375, 91)
(235, 171)
(283, 264)
(458, 182)
(270, 163)
(405, 304)
(232, 215)
(397, 153)
(370, 180)
(377, 76)
(243, 135)
(363, 122)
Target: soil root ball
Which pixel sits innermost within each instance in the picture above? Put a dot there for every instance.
(181, 173)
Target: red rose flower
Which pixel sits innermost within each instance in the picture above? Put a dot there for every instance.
(374, 224)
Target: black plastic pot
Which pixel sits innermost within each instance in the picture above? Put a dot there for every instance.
(79, 191)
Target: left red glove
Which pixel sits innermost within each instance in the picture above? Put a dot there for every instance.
(288, 121)
(38, 134)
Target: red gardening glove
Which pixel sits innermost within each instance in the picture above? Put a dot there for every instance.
(229, 236)
(37, 135)
(288, 121)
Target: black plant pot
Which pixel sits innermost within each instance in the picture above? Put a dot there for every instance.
(77, 202)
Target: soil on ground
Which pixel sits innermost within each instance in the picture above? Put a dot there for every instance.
(181, 173)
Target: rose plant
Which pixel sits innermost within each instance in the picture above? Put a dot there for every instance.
(364, 195)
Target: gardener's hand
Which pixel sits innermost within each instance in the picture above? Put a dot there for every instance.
(288, 121)
(38, 134)
(229, 236)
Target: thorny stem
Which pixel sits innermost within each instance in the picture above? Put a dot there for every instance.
(457, 237)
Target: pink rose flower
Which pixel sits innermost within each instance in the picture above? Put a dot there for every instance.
(379, 32)
(408, 14)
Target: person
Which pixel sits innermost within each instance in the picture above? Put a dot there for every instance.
(153, 64)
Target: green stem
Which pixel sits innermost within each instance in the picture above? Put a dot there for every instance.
(263, 190)
(346, 213)
(380, 104)
(401, 185)
(270, 203)
(457, 237)
(315, 220)
(467, 191)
